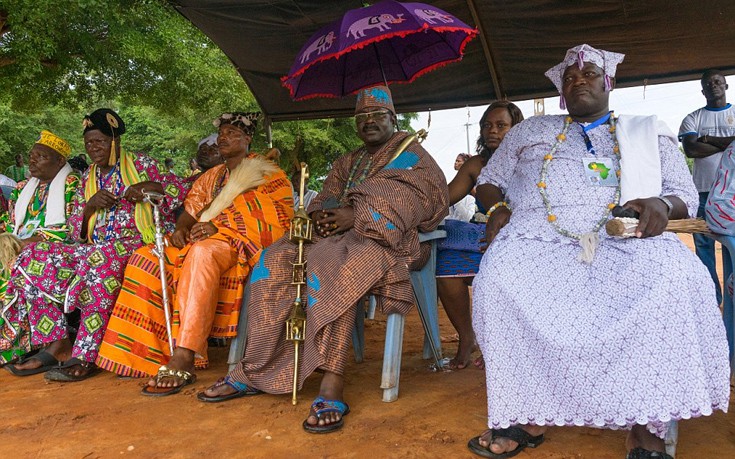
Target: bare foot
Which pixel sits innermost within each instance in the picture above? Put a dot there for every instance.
(331, 389)
(61, 350)
(183, 359)
(503, 445)
(464, 355)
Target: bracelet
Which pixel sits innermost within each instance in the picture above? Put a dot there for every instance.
(495, 207)
(669, 205)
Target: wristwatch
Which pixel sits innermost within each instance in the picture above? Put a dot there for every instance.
(669, 205)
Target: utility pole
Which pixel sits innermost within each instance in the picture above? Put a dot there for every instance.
(538, 107)
(467, 130)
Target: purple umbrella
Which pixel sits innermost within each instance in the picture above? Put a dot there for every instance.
(384, 43)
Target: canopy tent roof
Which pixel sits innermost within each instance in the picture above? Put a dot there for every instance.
(664, 41)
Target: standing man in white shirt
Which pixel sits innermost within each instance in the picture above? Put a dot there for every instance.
(704, 134)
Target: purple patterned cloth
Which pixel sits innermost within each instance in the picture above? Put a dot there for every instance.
(635, 337)
(51, 277)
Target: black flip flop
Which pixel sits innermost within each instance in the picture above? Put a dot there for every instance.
(59, 375)
(47, 360)
(640, 453)
(514, 433)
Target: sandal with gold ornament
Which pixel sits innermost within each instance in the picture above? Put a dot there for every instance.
(166, 372)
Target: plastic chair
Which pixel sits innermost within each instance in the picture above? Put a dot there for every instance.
(423, 282)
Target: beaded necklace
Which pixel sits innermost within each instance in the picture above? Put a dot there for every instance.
(550, 216)
(39, 200)
(109, 214)
(351, 180)
(221, 181)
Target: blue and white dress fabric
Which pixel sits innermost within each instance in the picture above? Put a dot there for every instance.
(635, 337)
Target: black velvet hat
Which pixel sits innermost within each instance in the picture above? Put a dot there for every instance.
(106, 121)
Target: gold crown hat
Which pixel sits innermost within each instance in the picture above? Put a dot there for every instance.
(55, 143)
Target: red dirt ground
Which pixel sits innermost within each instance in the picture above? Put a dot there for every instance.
(435, 415)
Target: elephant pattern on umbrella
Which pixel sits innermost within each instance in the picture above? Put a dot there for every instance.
(432, 15)
(320, 45)
(381, 22)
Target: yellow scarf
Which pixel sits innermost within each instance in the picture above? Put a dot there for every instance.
(143, 210)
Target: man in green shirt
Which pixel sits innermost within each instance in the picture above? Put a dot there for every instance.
(19, 171)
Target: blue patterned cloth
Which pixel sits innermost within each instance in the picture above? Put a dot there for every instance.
(459, 253)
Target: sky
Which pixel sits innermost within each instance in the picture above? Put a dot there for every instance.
(670, 102)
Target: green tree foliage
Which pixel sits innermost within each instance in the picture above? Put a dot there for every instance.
(134, 51)
(61, 60)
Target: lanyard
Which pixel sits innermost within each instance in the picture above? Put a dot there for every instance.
(589, 127)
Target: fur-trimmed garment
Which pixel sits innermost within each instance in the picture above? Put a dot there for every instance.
(251, 206)
(393, 203)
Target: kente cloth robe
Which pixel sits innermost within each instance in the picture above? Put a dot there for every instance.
(206, 278)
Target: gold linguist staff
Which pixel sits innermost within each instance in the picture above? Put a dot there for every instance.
(301, 232)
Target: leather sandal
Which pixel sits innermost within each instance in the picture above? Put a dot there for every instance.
(514, 433)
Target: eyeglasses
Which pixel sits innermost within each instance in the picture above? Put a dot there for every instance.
(378, 115)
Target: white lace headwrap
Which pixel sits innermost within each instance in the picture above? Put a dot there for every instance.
(607, 60)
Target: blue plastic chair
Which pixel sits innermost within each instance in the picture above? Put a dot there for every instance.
(424, 288)
(423, 282)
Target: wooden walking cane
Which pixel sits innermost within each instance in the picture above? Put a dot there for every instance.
(300, 233)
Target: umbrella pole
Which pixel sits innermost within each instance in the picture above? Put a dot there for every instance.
(380, 64)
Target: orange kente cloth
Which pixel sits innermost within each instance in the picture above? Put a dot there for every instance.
(135, 343)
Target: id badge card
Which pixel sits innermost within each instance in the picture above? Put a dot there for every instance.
(599, 171)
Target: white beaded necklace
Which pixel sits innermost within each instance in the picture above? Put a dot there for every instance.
(589, 240)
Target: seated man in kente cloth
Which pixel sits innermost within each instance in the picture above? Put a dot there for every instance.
(232, 212)
(38, 211)
(367, 217)
(579, 328)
